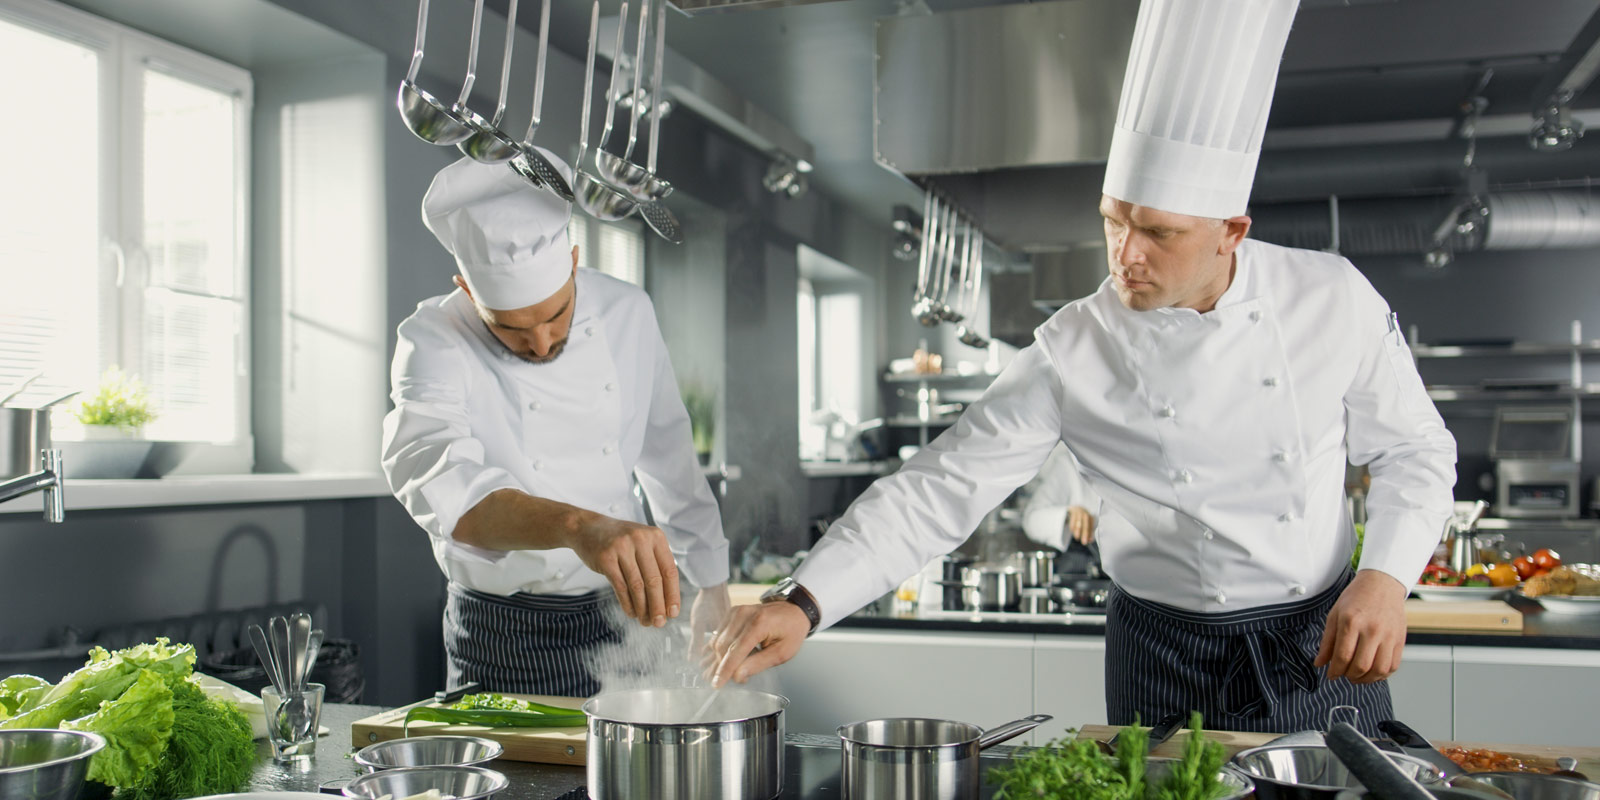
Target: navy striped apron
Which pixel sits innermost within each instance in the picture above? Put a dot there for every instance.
(525, 643)
(1245, 671)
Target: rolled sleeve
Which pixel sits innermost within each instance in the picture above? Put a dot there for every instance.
(936, 500)
(1394, 429)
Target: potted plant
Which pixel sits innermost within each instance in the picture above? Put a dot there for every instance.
(701, 403)
(119, 409)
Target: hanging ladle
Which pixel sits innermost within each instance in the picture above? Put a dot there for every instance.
(620, 171)
(656, 215)
(592, 195)
(531, 163)
(967, 334)
(942, 306)
(477, 123)
(423, 114)
(654, 188)
(927, 309)
(924, 248)
(952, 313)
(489, 144)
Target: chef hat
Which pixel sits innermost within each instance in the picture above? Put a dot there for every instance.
(1194, 104)
(509, 238)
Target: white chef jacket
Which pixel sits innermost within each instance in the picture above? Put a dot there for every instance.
(470, 418)
(1058, 486)
(1217, 442)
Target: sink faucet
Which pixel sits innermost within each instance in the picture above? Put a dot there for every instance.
(48, 478)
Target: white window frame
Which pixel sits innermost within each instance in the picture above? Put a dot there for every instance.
(124, 269)
(589, 244)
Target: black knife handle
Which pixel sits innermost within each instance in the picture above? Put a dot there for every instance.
(1381, 777)
(1402, 734)
(1166, 727)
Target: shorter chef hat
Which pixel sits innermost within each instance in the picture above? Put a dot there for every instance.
(509, 238)
(1195, 97)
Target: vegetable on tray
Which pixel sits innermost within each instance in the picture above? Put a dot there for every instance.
(497, 711)
(1077, 769)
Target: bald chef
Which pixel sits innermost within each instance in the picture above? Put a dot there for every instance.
(1211, 390)
(527, 402)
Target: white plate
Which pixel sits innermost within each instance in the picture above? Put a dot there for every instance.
(1458, 593)
(1568, 604)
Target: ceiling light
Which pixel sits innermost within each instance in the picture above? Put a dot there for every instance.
(1555, 130)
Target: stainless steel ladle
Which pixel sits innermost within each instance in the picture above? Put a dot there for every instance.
(655, 188)
(925, 247)
(477, 123)
(952, 313)
(431, 120)
(489, 144)
(620, 171)
(942, 305)
(530, 163)
(592, 195)
(966, 333)
(927, 309)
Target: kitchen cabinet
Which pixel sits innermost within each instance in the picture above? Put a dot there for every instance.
(842, 676)
(1422, 690)
(1069, 683)
(1526, 695)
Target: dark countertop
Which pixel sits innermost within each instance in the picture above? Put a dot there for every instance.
(811, 765)
(1540, 628)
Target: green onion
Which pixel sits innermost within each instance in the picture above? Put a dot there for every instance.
(498, 718)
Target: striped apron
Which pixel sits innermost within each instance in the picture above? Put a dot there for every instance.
(1245, 671)
(525, 643)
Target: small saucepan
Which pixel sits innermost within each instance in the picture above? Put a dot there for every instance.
(935, 759)
(1081, 592)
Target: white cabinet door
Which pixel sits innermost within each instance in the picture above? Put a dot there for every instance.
(1069, 683)
(1423, 691)
(1496, 686)
(843, 676)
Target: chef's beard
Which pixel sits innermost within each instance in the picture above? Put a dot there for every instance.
(534, 358)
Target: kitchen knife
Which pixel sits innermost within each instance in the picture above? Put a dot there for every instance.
(1159, 733)
(457, 693)
(1414, 744)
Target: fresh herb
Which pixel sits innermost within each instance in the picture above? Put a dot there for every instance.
(503, 703)
(121, 402)
(1078, 769)
(497, 711)
(212, 750)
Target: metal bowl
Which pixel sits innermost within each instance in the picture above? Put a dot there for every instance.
(461, 783)
(1313, 772)
(1239, 785)
(1533, 786)
(45, 763)
(429, 751)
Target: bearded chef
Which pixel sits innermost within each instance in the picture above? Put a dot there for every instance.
(1211, 390)
(527, 403)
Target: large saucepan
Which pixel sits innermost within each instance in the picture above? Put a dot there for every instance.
(918, 759)
(643, 744)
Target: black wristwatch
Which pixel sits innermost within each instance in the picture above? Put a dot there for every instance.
(789, 591)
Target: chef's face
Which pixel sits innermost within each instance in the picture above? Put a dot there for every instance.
(538, 333)
(1159, 259)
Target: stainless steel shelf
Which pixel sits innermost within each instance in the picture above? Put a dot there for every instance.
(847, 469)
(1591, 347)
(914, 422)
(1474, 393)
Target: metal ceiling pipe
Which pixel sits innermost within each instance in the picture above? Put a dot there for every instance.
(1381, 170)
(1542, 220)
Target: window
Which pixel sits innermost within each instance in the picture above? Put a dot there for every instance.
(128, 247)
(832, 354)
(617, 249)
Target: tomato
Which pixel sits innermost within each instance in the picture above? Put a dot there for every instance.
(1525, 567)
(1547, 558)
(1503, 575)
(1539, 573)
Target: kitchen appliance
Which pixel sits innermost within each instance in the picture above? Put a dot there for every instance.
(925, 759)
(635, 749)
(1535, 474)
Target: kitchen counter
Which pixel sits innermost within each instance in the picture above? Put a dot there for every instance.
(1540, 628)
(811, 765)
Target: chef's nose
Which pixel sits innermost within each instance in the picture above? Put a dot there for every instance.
(1127, 250)
(540, 340)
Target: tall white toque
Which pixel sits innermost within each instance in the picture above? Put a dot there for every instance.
(1194, 104)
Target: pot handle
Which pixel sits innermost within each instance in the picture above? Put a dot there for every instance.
(1010, 730)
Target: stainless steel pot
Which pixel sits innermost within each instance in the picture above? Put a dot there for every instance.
(641, 746)
(1081, 592)
(1038, 568)
(1034, 601)
(1533, 786)
(24, 432)
(999, 586)
(925, 759)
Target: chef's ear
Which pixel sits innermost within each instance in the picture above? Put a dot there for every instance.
(1234, 229)
(461, 284)
(574, 259)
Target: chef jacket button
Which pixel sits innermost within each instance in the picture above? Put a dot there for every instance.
(589, 331)
(1287, 516)
(537, 464)
(612, 509)
(1298, 589)
(535, 405)
(1207, 534)
(611, 387)
(1185, 476)
(608, 449)
(1221, 598)
(1255, 316)
(1269, 381)
(1281, 456)
(1168, 412)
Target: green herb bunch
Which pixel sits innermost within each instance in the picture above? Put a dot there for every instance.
(701, 403)
(1077, 769)
(120, 402)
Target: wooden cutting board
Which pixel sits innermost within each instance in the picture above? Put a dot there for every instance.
(1235, 741)
(1472, 615)
(544, 745)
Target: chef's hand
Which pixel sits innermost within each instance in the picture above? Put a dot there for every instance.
(707, 614)
(1366, 629)
(636, 560)
(1080, 523)
(756, 638)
